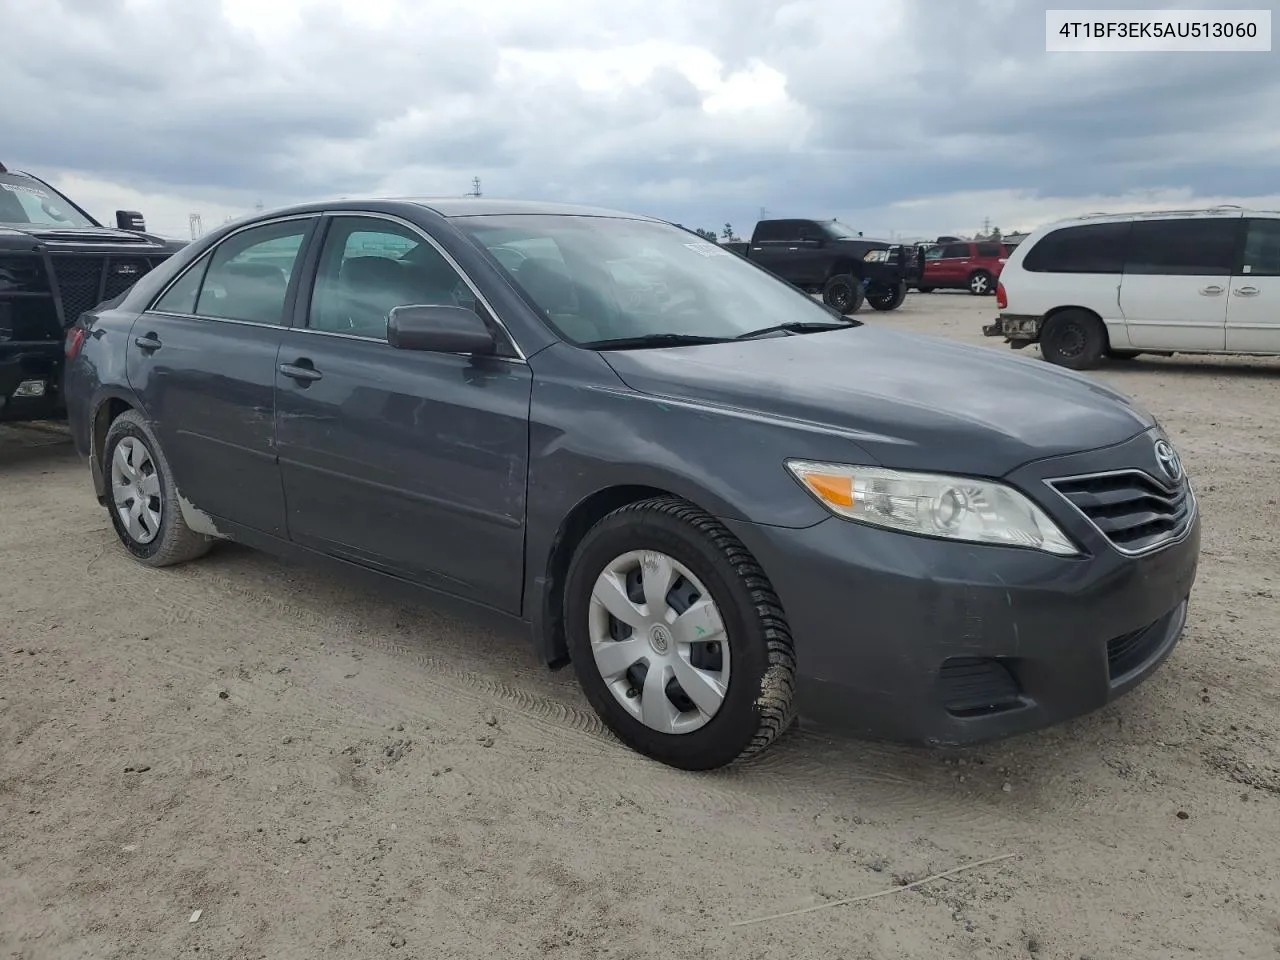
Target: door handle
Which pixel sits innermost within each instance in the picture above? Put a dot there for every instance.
(149, 343)
(1210, 291)
(793, 248)
(1247, 291)
(302, 372)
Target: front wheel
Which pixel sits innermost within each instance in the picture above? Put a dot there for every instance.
(141, 496)
(843, 293)
(888, 298)
(677, 637)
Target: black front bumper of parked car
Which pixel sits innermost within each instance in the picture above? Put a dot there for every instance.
(940, 642)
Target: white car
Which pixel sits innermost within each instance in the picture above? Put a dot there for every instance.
(1184, 281)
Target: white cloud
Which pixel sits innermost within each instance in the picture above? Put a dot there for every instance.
(913, 116)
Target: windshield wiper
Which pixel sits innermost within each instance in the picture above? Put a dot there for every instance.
(797, 326)
(653, 340)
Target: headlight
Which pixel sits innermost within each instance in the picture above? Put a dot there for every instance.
(928, 504)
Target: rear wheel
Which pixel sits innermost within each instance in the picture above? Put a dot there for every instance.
(981, 283)
(141, 498)
(843, 293)
(677, 637)
(887, 298)
(1075, 339)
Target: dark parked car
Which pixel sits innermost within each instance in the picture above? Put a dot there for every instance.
(720, 501)
(56, 261)
(826, 257)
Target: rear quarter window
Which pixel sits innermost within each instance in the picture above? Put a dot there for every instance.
(987, 250)
(1088, 248)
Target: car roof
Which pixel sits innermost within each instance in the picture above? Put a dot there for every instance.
(453, 207)
(1226, 209)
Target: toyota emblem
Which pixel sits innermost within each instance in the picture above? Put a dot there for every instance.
(1168, 459)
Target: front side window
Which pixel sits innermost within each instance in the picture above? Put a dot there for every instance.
(25, 202)
(369, 266)
(613, 278)
(1262, 249)
(249, 272)
(1197, 247)
(1089, 248)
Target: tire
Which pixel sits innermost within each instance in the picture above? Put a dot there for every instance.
(888, 298)
(1075, 339)
(981, 283)
(161, 537)
(843, 293)
(755, 682)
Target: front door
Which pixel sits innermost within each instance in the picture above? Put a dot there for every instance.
(1253, 310)
(946, 265)
(203, 361)
(1173, 295)
(408, 462)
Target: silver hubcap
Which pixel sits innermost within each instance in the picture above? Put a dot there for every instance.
(978, 284)
(135, 490)
(659, 641)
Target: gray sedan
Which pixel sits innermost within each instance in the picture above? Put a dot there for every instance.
(721, 502)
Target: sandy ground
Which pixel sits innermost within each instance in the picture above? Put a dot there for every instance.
(326, 773)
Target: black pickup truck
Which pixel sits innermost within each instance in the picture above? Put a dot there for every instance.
(56, 262)
(825, 256)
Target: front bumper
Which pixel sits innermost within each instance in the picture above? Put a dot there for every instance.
(935, 642)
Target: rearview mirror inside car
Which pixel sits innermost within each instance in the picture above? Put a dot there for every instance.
(439, 329)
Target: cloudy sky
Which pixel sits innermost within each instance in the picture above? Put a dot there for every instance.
(912, 117)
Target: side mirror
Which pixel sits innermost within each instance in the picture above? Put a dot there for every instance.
(439, 329)
(131, 220)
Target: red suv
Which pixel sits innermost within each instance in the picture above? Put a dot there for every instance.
(972, 265)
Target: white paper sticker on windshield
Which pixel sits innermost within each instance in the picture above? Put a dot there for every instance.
(708, 249)
(23, 188)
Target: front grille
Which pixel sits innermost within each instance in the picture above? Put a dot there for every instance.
(79, 280)
(1132, 509)
(85, 280)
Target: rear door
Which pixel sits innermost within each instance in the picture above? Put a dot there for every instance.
(408, 462)
(203, 361)
(1173, 294)
(775, 246)
(1253, 309)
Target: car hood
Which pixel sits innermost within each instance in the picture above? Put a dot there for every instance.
(912, 402)
(91, 236)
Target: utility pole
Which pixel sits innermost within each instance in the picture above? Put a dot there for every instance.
(475, 187)
(764, 214)
(197, 227)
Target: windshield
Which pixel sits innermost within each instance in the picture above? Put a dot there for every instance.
(837, 229)
(27, 202)
(603, 278)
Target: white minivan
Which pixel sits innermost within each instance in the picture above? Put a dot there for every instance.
(1173, 281)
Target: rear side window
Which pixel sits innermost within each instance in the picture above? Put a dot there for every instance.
(774, 230)
(181, 297)
(249, 274)
(1201, 247)
(1262, 249)
(988, 250)
(1089, 248)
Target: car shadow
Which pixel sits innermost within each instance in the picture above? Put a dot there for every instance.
(1261, 367)
(34, 442)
